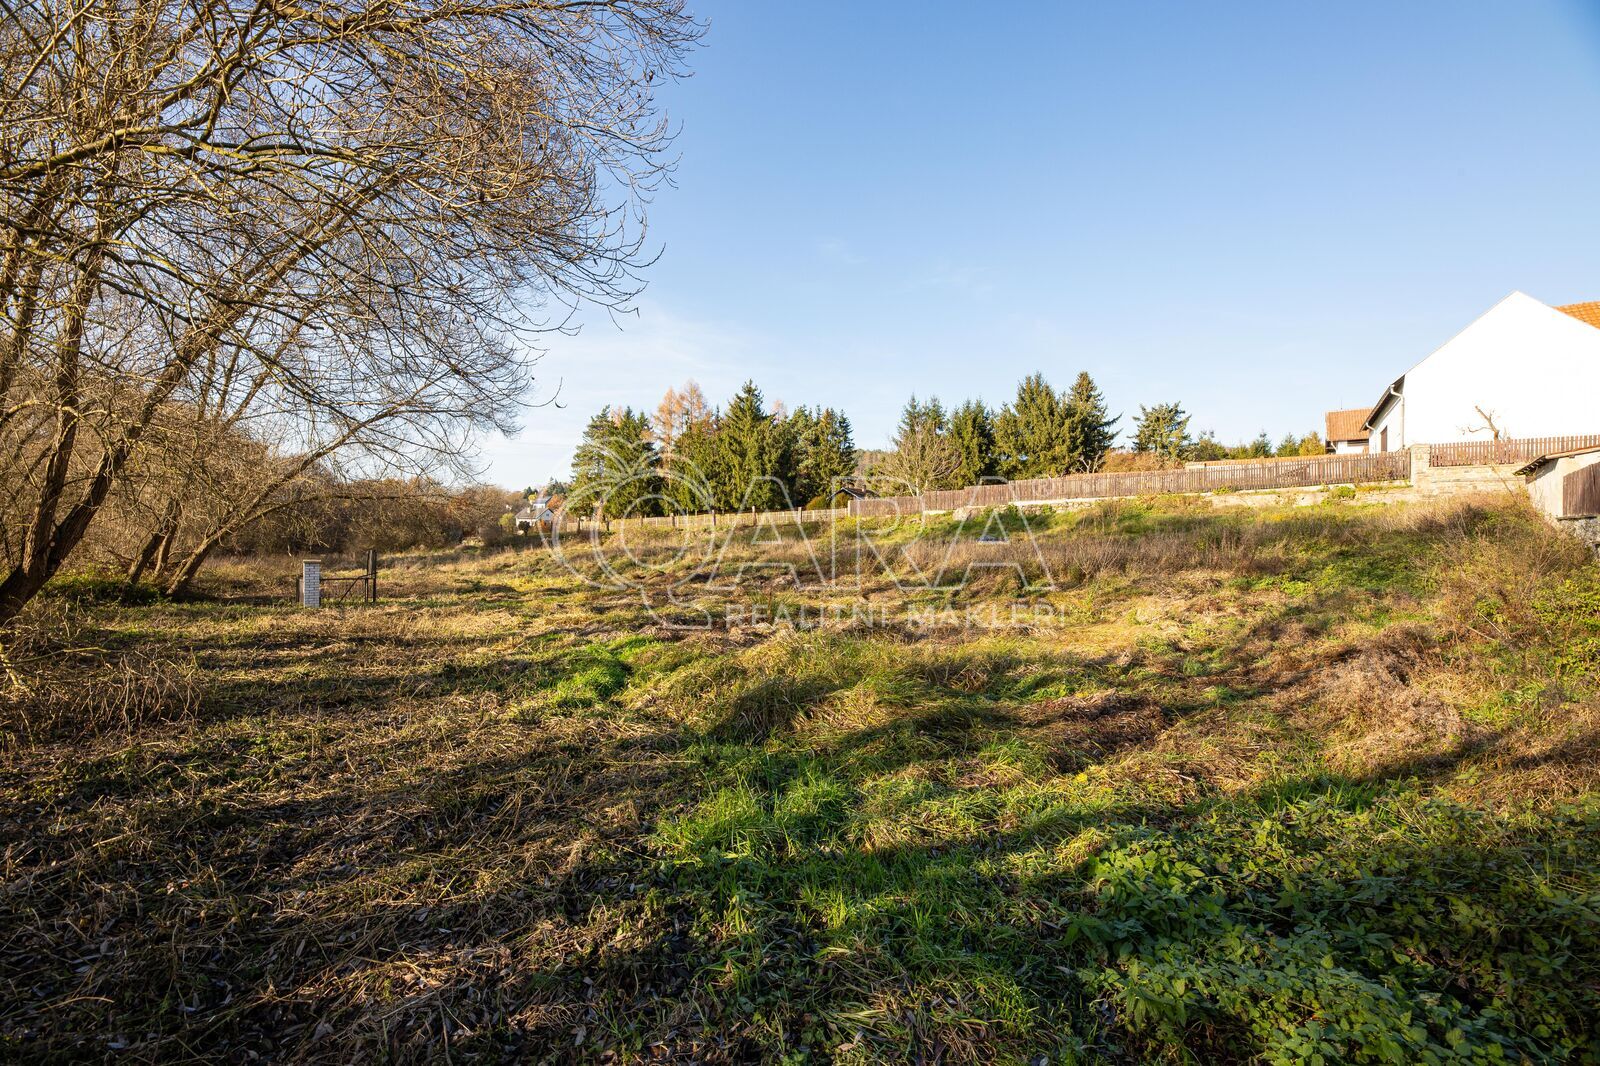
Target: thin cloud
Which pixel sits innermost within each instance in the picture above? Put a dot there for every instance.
(629, 361)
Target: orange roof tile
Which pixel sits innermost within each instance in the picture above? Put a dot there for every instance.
(1347, 425)
(1585, 312)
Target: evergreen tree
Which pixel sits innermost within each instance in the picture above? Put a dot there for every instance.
(1207, 448)
(917, 416)
(972, 432)
(1033, 435)
(692, 484)
(1090, 428)
(1162, 430)
(824, 452)
(748, 455)
(616, 466)
(1312, 444)
(789, 430)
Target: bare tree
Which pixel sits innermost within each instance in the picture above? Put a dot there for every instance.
(678, 412)
(339, 206)
(923, 459)
(1489, 423)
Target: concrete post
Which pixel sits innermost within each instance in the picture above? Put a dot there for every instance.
(311, 583)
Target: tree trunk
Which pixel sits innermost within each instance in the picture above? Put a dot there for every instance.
(157, 547)
(164, 555)
(50, 541)
(190, 566)
(141, 562)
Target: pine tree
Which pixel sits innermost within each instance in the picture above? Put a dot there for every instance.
(917, 416)
(1033, 435)
(692, 480)
(824, 452)
(972, 432)
(616, 467)
(749, 459)
(1207, 448)
(789, 429)
(1089, 425)
(1162, 430)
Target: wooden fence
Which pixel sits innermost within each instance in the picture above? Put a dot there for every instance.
(1236, 477)
(710, 520)
(1232, 476)
(1201, 464)
(1491, 452)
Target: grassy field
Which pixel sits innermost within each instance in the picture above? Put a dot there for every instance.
(1310, 784)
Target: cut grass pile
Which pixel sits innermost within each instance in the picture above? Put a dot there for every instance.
(1290, 785)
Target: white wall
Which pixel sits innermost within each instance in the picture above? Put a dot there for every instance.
(1392, 420)
(1534, 369)
(1349, 447)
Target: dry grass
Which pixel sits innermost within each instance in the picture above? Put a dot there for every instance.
(506, 816)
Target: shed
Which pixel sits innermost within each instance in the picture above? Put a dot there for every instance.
(1565, 484)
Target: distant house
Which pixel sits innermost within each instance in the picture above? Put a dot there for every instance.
(541, 511)
(1346, 431)
(1523, 369)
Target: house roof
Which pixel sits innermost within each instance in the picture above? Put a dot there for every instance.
(1588, 313)
(1349, 424)
(1550, 457)
(1584, 312)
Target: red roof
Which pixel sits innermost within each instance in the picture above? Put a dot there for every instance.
(1347, 425)
(1585, 312)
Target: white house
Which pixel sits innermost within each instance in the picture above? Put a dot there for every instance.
(541, 510)
(1524, 369)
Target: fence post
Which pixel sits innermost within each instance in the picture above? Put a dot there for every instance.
(311, 583)
(372, 575)
(1420, 465)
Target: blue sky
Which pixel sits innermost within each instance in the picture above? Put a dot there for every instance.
(1260, 210)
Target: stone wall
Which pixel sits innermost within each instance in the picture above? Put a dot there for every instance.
(1585, 529)
(1430, 480)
